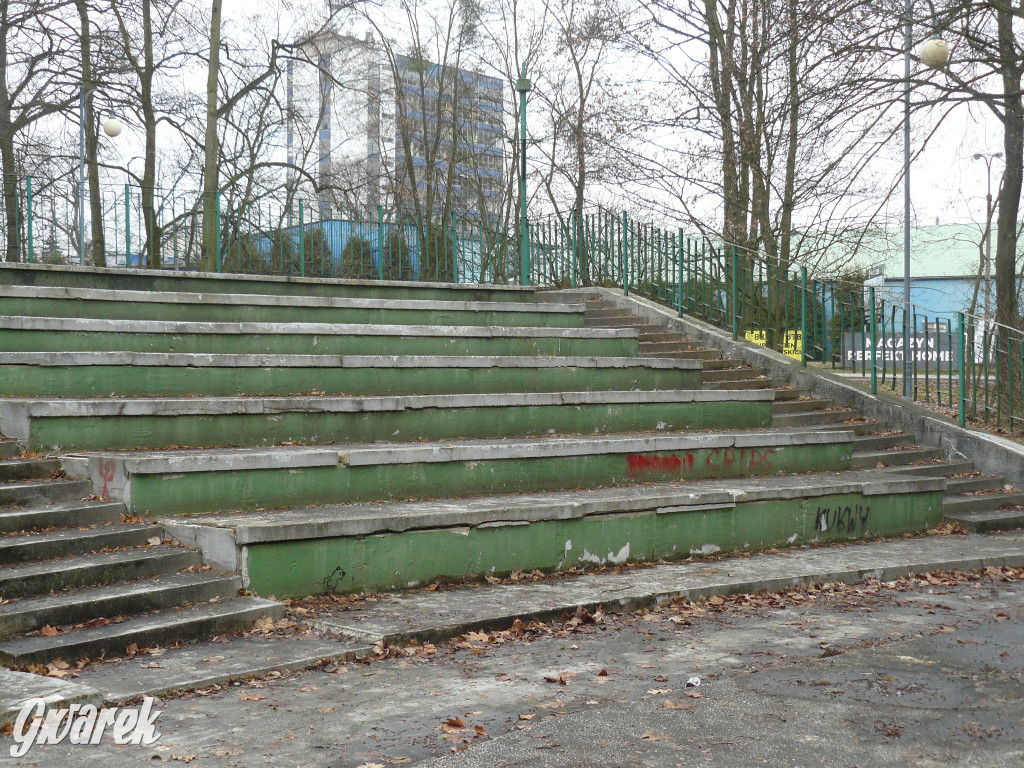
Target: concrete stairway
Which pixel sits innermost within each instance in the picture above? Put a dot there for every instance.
(309, 436)
(980, 502)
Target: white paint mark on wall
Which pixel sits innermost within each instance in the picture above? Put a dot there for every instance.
(707, 549)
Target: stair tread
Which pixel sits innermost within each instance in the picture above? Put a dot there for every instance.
(17, 571)
(99, 531)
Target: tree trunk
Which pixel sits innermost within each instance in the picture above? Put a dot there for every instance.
(98, 257)
(153, 234)
(8, 169)
(1009, 194)
(210, 175)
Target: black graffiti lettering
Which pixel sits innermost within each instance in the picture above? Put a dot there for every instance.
(842, 519)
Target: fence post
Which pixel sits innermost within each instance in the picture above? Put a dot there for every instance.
(455, 246)
(732, 306)
(803, 316)
(962, 416)
(216, 230)
(302, 239)
(874, 344)
(679, 273)
(624, 253)
(28, 195)
(127, 226)
(380, 242)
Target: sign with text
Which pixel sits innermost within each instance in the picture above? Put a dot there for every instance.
(792, 347)
(931, 349)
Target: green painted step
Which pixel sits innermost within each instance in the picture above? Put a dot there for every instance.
(237, 307)
(157, 280)
(359, 547)
(46, 334)
(142, 374)
(129, 424)
(238, 479)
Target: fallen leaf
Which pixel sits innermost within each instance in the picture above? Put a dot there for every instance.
(254, 697)
(49, 631)
(677, 704)
(479, 730)
(655, 736)
(526, 717)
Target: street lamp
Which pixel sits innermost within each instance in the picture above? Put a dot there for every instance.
(523, 86)
(988, 230)
(112, 127)
(934, 54)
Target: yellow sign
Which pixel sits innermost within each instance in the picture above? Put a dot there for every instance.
(793, 346)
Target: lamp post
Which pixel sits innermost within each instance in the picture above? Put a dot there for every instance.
(934, 53)
(111, 127)
(523, 86)
(988, 229)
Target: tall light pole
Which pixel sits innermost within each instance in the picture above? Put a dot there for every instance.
(934, 53)
(988, 230)
(523, 86)
(111, 127)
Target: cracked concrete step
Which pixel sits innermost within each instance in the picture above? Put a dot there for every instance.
(132, 597)
(142, 374)
(27, 469)
(989, 521)
(96, 303)
(74, 541)
(76, 424)
(62, 334)
(43, 576)
(122, 279)
(869, 459)
(42, 492)
(981, 502)
(60, 516)
(205, 480)
(160, 628)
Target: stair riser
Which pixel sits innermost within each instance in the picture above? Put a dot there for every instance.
(693, 354)
(812, 419)
(732, 374)
(293, 312)
(17, 552)
(39, 519)
(27, 470)
(288, 344)
(895, 457)
(637, 323)
(136, 432)
(154, 494)
(64, 578)
(70, 647)
(800, 406)
(939, 470)
(965, 485)
(653, 347)
(742, 384)
(1010, 521)
(143, 381)
(133, 603)
(150, 280)
(882, 442)
(43, 493)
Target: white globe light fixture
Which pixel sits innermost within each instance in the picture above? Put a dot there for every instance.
(934, 52)
(112, 126)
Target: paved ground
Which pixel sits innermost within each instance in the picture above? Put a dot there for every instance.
(926, 672)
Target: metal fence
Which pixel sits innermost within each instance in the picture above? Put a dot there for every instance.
(963, 365)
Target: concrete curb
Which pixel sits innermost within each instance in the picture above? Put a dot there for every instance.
(19, 687)
(989, 452)
(440, 615)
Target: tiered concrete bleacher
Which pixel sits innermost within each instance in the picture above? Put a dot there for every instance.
(301, 436)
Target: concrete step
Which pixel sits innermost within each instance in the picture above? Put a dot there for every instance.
(164, 281)
(732, 374)
(94, 303)
(366, 547)
(989, 520)
(40, 577)
(812, 418)
(171, 482)
(142, 374)
(975, 481)
(690, 354)
(720, 362)
(160, 628)
(27, 469)
(593, 313)
(680, 345)
(61, 334)
(130, 424)
(633, 322)
(74, 541)
(32, 492)
(786, 393)
(764, 382)
(937, 469)
(869, 459)
(659, 334)
(801, 405)
(10, 448)
(123, 599)
(872, 442)
(983, 501)
(66, 515)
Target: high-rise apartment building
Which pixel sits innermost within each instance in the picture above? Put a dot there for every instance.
(370, 127)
